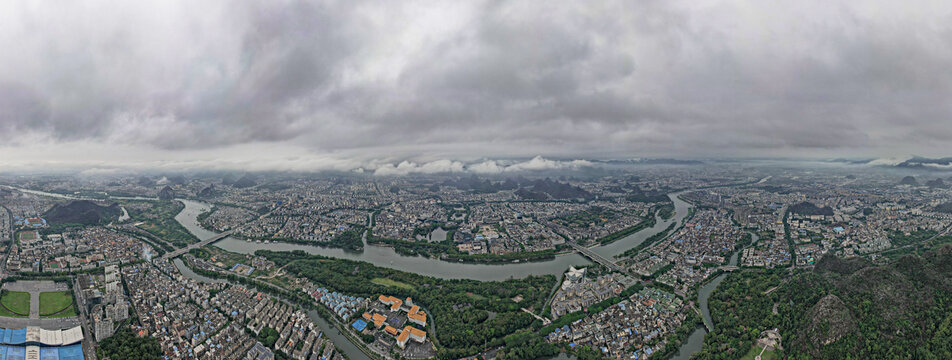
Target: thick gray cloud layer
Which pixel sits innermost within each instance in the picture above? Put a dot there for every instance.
(429, 80)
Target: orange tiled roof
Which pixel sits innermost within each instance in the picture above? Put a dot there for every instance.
(391, 330)
(404, 335)
(379, 319)
(419, 316)
(415, 331)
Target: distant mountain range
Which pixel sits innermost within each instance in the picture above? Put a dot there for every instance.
(915, 162)
(644, 161)
(927, 163)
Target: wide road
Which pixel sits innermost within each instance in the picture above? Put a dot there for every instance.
(89, 343)
(9, 230)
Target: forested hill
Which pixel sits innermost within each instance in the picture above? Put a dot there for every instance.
(82, 212)
(808, 208)
(843, 309)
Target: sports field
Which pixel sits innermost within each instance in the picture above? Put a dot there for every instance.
(15, 303)
(57, 304)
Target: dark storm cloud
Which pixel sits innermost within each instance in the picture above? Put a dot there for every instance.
(380, 79)
(20, 106)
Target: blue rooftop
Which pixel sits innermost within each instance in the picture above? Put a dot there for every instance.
(71, 352)
(49, 354)
(15, 353)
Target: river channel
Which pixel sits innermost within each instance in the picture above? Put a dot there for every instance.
(387, 257)
(695, 341)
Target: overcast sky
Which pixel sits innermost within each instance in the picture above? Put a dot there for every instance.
(343, 84)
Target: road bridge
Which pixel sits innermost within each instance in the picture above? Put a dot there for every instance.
(176, 253)
(598, 258)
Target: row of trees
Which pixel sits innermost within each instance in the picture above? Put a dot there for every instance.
(447, 250)
(644, 224)
(651, 240)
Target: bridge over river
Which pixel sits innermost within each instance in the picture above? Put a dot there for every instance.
(176, 253)
(598, 258)
(214, 238)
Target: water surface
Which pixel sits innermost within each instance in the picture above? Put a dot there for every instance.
(387, 257)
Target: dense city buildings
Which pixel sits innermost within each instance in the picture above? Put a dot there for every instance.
(653, 246)
(475, 180)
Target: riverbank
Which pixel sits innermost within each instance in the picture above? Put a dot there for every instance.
(695, 341)
(462, 307)
(610, 238)
(388, 257)
(446, 252)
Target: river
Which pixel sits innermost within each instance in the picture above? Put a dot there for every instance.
(695, 341)
(387, 257)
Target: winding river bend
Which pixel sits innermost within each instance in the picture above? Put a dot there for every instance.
(695, 341)
(387, 257)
